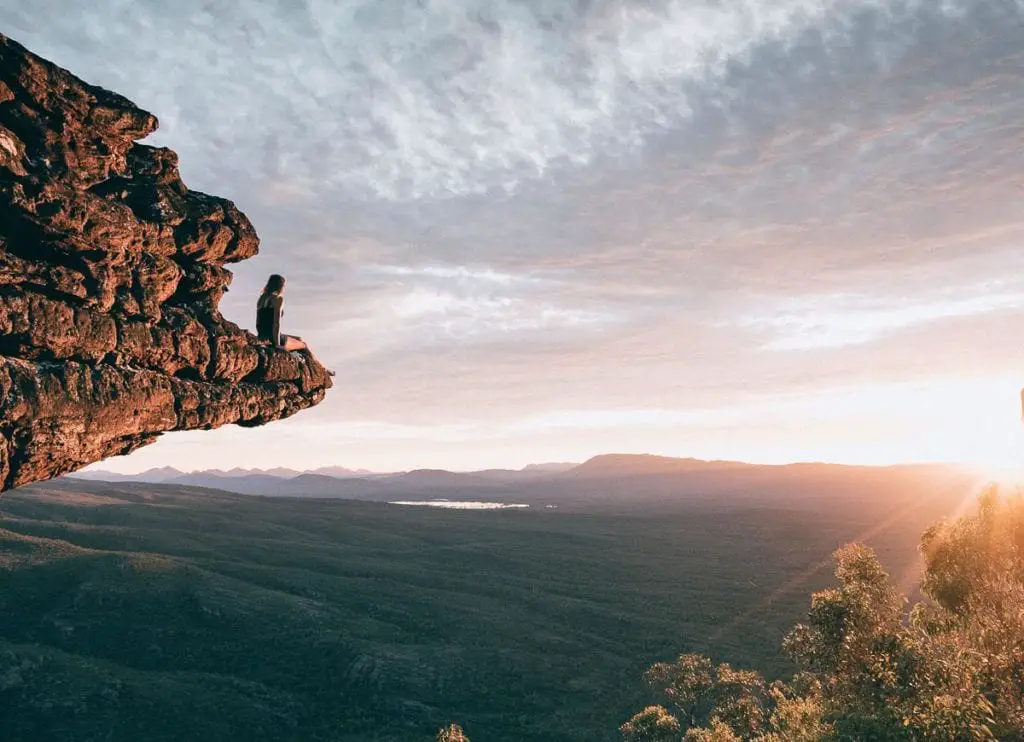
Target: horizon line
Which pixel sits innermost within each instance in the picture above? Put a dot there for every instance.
(370, 472)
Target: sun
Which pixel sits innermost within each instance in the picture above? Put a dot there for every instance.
(1001, 458)
(988, 434)
(974, 422)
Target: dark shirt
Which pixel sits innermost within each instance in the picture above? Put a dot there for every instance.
(268, 319)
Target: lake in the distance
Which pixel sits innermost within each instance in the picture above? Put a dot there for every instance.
(459, 504)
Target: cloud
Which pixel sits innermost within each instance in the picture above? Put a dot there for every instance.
(836, 321)
(412, 308)
(638, 211)
(442, 98)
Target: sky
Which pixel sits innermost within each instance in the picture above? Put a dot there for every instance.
(540, 230)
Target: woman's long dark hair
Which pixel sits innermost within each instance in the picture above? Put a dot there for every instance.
(275, 285)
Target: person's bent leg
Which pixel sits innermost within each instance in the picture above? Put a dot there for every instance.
(294, 342)
(291, 342)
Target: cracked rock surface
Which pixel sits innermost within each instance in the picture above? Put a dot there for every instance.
(111, 272)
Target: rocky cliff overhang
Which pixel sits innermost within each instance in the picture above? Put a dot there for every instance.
(111, 272)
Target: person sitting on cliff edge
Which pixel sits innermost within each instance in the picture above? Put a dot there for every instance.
(268, 319)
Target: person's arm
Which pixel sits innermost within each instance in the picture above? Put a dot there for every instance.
(278, 302)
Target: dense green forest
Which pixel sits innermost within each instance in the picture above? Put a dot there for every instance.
(871, 667)
(135, 611)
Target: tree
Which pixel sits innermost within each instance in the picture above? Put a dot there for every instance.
(451, 733)
(951, 668)
(653, 724)
(701, 692)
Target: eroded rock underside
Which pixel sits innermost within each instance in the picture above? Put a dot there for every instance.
(111, 271)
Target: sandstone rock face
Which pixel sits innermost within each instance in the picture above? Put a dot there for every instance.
(111, 272)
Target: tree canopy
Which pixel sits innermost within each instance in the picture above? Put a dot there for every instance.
(451, 733)
(870, 666)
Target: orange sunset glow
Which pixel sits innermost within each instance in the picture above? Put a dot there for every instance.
(805, 250)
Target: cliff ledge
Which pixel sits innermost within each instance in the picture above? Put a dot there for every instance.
(111, 272)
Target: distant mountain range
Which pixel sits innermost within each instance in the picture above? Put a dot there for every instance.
(604, 478)
(170, 474)
(330, 481)
(601, 466)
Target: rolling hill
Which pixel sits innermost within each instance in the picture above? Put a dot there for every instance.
(163, 612)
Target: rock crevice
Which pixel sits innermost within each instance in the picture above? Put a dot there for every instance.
(111, 273)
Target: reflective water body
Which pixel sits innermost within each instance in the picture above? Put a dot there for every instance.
(459, 504)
